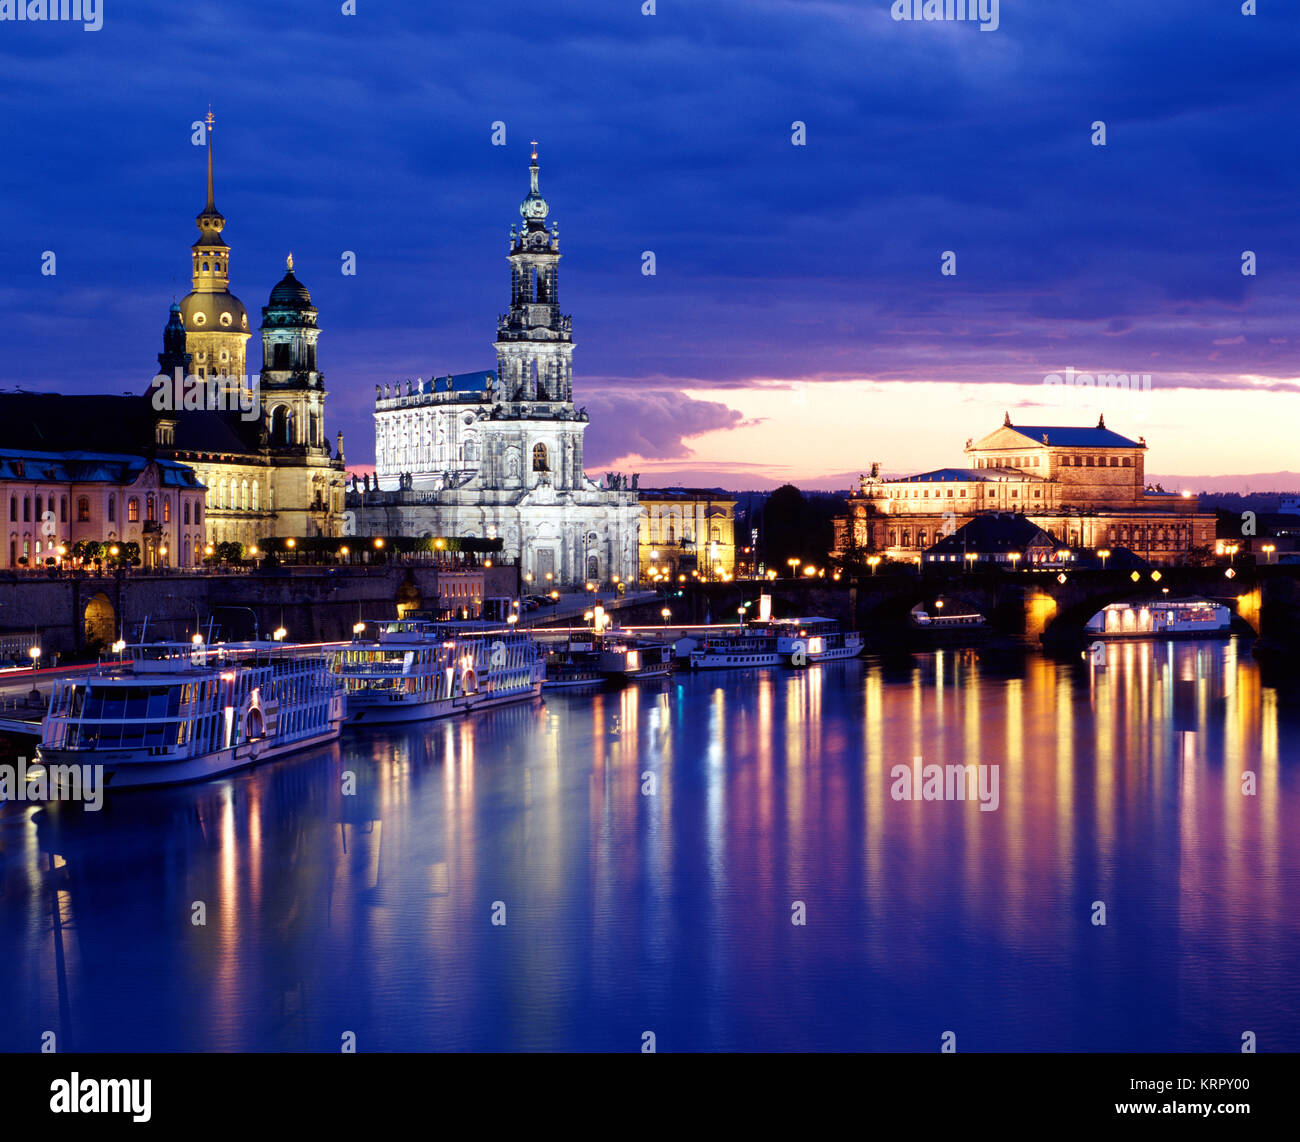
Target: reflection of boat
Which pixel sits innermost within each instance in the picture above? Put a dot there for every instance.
(173, 712)
(1167, 618)
(415, 669)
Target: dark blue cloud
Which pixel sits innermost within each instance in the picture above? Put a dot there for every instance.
(670, 133)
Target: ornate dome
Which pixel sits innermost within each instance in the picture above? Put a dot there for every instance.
(208, 312)
(290, 293)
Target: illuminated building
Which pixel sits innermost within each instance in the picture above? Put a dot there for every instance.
(1085, 486)
(498, 454)
(683, 531)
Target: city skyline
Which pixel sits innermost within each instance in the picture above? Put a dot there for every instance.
(793, 282)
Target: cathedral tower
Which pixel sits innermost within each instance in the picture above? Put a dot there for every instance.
(534, 340)
(293, 391)
(216, 323)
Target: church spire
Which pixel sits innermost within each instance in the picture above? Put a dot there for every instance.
(534, 208)
(211, 122)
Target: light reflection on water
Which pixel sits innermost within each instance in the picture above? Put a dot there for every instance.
(669, 910)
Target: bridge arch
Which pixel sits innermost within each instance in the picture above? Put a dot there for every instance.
(100, 620)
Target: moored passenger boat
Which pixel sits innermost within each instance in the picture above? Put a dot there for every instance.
(771, 642)
(737, 650)
(807, 640)
(172, 712)
(413, 669)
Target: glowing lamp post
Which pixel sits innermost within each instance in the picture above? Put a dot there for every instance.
(873, 561)
(666, 614)
(1105, 554)
(279, 634)
(793, 564)
(1268, 549)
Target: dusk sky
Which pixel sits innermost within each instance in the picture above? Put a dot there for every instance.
(798, 326)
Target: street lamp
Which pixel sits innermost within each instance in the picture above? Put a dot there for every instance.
(358, 628)
(740, 621)
(279, 634)
(1105, 554)
(873, 561)
(667, 614)
(793, 564)
(1014, 556)
(512, 618)
(1268, 549)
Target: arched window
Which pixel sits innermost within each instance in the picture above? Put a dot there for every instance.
(83, 509)
(186, 512)
(281, 425)
(255, 496)
(112, 509)
(40, 502)
(167, 509)
(198, 514)
(63, 509)
(149, 508)
(133, 510)
(221, 494)
(13, 508)
(539, 458)
(243, 496)
(672, 534)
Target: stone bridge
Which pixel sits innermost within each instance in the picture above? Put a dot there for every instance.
(1031, 608)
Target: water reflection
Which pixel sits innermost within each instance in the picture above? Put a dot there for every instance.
(648, 849)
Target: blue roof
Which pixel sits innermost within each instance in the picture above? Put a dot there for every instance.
(464, 383)
(89, 467)
(964, 475)
(1071, 436)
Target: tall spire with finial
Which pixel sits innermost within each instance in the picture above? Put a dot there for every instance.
(534, 208)
(216, 323)
(211, 121)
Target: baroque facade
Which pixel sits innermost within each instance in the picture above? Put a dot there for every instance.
(686, 532)
(53, 500)
(499, 454)
(257, 446)
(1086, 486)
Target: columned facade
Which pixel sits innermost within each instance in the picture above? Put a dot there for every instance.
(500, 454)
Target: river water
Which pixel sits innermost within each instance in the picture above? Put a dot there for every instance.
(718, 859)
